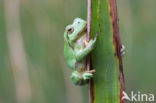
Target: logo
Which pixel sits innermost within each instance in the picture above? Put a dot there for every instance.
(138, 96)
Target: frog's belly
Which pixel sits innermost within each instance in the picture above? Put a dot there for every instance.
(80, 66)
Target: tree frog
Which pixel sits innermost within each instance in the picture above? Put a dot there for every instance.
(76, 49)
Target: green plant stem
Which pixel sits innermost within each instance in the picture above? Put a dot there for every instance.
(106, 57)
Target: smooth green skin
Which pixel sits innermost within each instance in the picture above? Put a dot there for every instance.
(76, 48)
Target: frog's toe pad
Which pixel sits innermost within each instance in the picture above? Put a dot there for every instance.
(87, 76)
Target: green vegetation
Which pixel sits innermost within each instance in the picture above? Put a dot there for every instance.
(105, 62)
(42, 24)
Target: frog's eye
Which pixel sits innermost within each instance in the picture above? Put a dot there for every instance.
(70, 30)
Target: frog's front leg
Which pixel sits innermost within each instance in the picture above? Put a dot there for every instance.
(81, 53)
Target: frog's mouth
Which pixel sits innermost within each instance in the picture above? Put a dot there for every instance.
(69, 42)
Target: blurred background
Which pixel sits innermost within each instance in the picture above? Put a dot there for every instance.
(32, 66)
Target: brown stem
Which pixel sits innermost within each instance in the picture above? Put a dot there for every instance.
(91, 88)
(118, 45)
(89, 18)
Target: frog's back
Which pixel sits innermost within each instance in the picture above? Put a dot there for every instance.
(69, 56)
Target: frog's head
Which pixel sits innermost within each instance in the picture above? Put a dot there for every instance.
(73, 30)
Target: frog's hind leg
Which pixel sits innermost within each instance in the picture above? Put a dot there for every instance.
(81, 76)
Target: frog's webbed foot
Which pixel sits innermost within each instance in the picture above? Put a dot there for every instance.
(81, 78)
(88, 74)
(122, 50)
